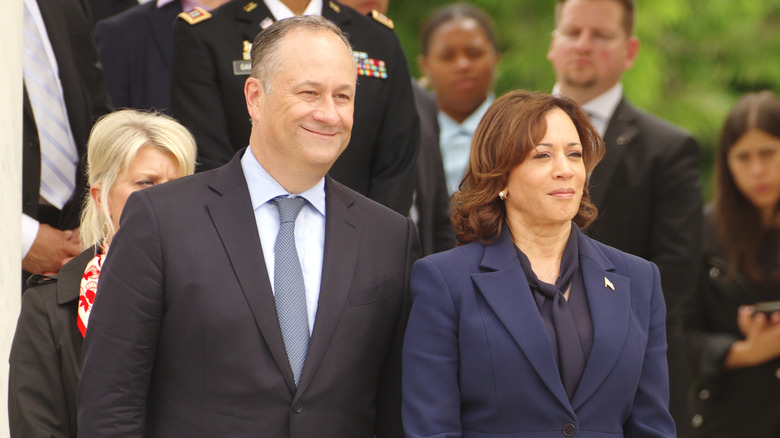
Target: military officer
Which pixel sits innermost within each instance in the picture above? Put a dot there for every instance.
(211, 63)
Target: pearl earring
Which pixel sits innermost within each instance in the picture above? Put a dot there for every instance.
(502, 195)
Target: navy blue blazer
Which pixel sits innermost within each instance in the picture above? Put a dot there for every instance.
(136, 48)
(478, 362)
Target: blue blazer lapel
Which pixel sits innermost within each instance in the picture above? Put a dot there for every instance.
(343, 228)
(506, 290)
(610, 311)
(233, 215)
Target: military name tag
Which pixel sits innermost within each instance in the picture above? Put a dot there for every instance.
(242, 68)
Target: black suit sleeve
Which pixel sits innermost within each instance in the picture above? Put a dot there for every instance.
(196, 100)
(37, 403)
(388, 406)
(121, 341)
(675, 235)
(398, 141)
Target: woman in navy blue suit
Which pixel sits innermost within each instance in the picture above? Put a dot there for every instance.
(530, 328)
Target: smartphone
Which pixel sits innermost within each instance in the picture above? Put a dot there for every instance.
(767, 307)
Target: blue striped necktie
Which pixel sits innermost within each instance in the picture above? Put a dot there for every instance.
(289, 290)
(59, 157)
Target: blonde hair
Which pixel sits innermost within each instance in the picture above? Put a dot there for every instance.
(112, 146)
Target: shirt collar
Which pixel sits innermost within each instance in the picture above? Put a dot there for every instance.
(263, 187)
(186, 5)
(449, 127)
(280, 11)
(602, 107)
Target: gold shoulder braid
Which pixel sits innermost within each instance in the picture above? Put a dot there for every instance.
(195, 16)
(378, 16)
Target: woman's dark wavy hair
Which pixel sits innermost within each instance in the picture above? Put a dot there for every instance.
(739, 222)
(511, 127)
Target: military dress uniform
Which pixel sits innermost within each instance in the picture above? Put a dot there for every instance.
(211, 64)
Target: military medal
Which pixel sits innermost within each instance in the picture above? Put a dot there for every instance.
(374, 68)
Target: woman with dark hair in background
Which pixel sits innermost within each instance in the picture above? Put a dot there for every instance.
(735, 351)
(458, 57)
(530, 328)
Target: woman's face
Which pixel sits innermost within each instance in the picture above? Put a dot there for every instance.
(546, 188)
(754, 162)
(150, 166)
(460, 65)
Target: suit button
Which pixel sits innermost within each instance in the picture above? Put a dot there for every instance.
(32, 144)
(297, 407)
(697, 420)
(714, 272)
(777, 373)
(704, 394)
(28, 201)
(569, 429)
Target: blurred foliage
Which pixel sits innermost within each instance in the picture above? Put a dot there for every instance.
(695, 59)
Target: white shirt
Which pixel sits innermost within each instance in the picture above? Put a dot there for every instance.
(602, 107)
(455, 143)
(309, 227)
(280, 11)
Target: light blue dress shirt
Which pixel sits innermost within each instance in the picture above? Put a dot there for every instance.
(455, 143)
(309, 227)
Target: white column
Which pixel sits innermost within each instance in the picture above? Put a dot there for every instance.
(10, 190)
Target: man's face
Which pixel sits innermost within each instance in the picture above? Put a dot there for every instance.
(590, 49)
(304, 121)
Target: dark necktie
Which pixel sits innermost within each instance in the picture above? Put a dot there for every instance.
(289, 290)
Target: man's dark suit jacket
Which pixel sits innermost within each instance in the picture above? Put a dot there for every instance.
(136, 48)
(648, 193)
(184, 338)
(86, 99)
(431, 196)
(45, 360)
(208, 98)
(102, 9)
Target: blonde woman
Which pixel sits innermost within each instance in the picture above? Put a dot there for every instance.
(127, 151)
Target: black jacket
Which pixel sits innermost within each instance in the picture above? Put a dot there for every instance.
(736, 403)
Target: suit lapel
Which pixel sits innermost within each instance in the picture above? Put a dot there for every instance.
(610, 311)
(161, 30)
(232, 215)
(343, 228)
(620, 133)
(504, 288)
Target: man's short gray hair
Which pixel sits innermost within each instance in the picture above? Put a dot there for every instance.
(265, 48)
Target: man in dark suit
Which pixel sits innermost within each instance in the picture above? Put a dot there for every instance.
(135, 49)
(64, 93)
(207, 323)
(210, 64)
(647, 187)
(432, 199)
